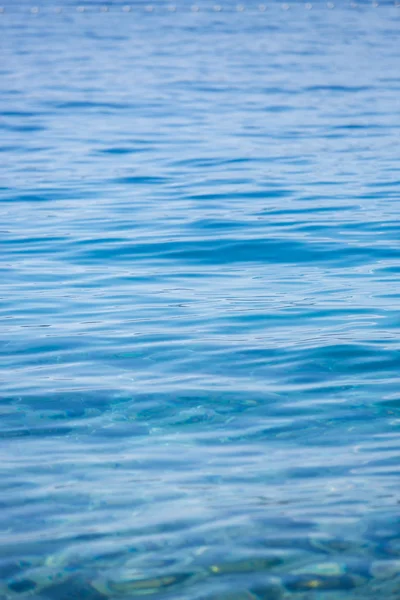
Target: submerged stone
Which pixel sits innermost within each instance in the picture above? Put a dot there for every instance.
(319, 582)
(73, 589)
(138, 586)
(22, 585)
(249, 565)
(385, 569)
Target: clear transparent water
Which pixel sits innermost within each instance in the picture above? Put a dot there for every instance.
(200, 271)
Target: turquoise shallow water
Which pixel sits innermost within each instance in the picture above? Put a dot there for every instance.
(199, 302)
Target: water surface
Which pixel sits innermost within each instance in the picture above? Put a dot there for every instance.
(200, 284)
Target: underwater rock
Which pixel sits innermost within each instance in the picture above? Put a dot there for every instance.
(137, 587)
(313, 581)
(250, 565)
(34, 581)
(73, 589)
(21, 586)
(385, 569)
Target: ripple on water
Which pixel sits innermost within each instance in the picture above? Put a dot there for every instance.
(199, 343)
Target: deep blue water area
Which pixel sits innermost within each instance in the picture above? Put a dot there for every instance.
(199, 301)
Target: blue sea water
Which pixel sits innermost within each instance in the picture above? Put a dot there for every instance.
(199, 301)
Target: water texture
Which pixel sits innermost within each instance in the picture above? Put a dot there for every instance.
(199, 301)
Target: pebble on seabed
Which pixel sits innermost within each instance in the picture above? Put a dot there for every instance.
(250, 565)
(319, 582)
(138, 586)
